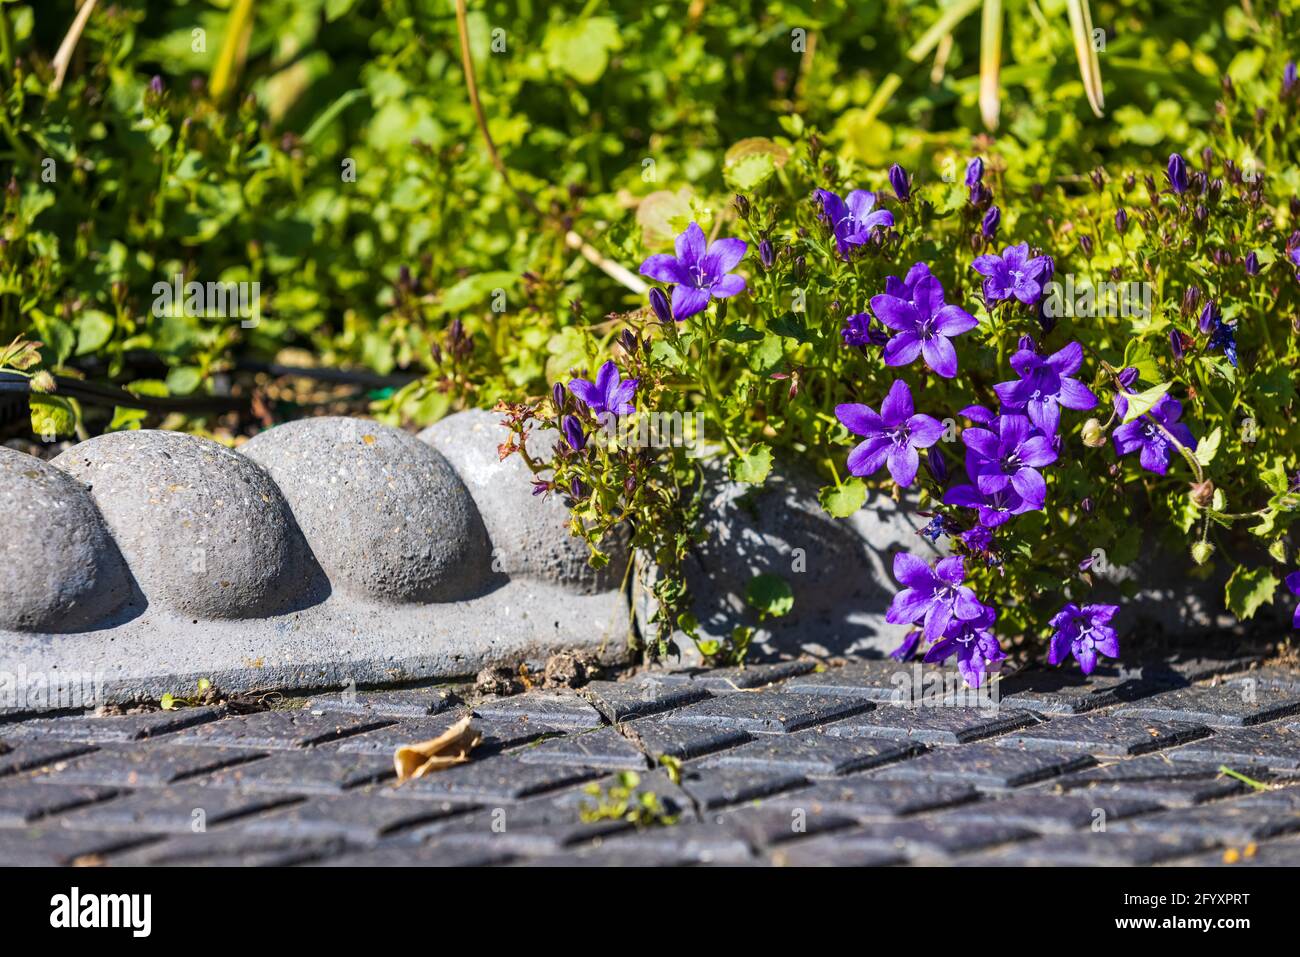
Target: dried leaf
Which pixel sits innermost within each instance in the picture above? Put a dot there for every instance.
(449, 748)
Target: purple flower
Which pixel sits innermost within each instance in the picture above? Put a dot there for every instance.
(852, 222)
(1011, 457)
(974, 172)
(907, 647)
(766, 253)
(995, 508)
(1085, 633)
(1013, 273)
(978, 539)
(923, 326)
(1252, 264)
(659, 303)
(1121, 221)
(892, 437)
(1288, 78)
(607, 395)
(1176, 173)
(1222, 335)
(573, 433)
(933, 595)
(1045, 385)
(901, 182)
(698, 273)
(1142, 433)
(1293, 583)
(905, 288)
(860, 330)
(989, 224)
(974, 644)
(977, 413)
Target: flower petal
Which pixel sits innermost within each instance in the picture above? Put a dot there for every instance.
(940, 356)
(953, 321)
(913, 572)
(897, 314)
(925, 430)
(725, 254)
(1068, 360)
(664, 268)
(869, 456)
(690, 245)
(897, 407)
(903, 463)
(902, 349)
(688, 302)
(859, 419)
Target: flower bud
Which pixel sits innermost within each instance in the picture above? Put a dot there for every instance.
(43, 383)
(1121, 221)
(1202, 493)
(989, 224)
(742, 206)
(557, 396)
(901, 183)
(659, 303)
(1093, 435)
(974, 173)
(1201, 552)
(766, 254)
(1252, 264)
(1176, 173)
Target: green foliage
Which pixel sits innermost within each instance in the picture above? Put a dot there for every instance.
(622, 800)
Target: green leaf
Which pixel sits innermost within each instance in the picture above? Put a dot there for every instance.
(52, 415)
(1140, 403)
(844, 500)
(582, 48)
(750, 173)
(1208, 447)
(1248, 589)
(167, 702)
(94, 330)
(771, 595)
(183, 380)
(752, 466)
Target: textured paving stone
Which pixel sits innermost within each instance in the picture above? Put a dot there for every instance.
(498, 734)
(278, 730)
(882, 681)
(25, 801)
(765, 826)
(358, 816)
(502, 779)
(18, 755)
(837, 850)
(1156, 777)
(1069, 692)
(930, 725)
(418, 855)
(1093, 849)
(553, 709)
(1273, 746)
(623, 700)
(146, 765)
(1277, 853)
(924, 839)
(1228, 705)
(532, 827)
(768, 712)
(720, 786)
(1106, 734)
(723, 680)
(607, 855)
(986, 765)
(317, 772)
(174, 810)
(656, 737)
(866, 796)
(120, 728)
(694, 842)
(48, 844)
(397, 703)
(813, 753)
(606, 748)
(1221, 821)
(230, 848)
(1046, 811)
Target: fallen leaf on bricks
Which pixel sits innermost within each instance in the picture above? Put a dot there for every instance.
(449, 748)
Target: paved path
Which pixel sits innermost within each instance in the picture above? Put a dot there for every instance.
(779, 764)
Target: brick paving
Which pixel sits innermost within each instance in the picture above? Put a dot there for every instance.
(785, 764)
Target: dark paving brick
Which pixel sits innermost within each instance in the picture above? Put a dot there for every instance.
(316, 772)
(768, 712)
(723, 680)
(500, 779)
(1286, 796)
(605, 748)
(656, 737)
(694, 842)
(230, 848)
(533, 827)
(986, 765)
(1155, 777)
(361, 817)
(1232, 704)
(389, 738)
(1221, 821)
(930, 725)
(813, 753)
(720, 786)
(1046, 811)
(182, 809)
(765, 826)
(555, 709)
(623, 700)
(1270, 676)
(398, 703)
(1070, 692)
(866, 796)
(23, 801)
(1106, 734)
(1278, 853)
(47, 844)
(403, 854)
(924, 839)
(1093, 849)
(278, 730)
(18, 755)
(881, 681)
(608, 855)
(146, 765)
(1192, 667)
(119, 728)
(837, 850)
(1275, 746)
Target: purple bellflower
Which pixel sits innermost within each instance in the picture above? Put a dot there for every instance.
(853, 221)
(995, 508)
(1010, 457)
(699, 272)
(901, 182)
(1176, 173)
(905, 288)
(607, 395)
(892, 437)
(935, 596)
(573, 433)
(974, 644)
(1013, 273)
(989, 224)
(1143, 434)
(861, 330)
(1045, 385)
(1084, 633)
(907, 647)
(974, 173)
(1293, 583)
(923, 326)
